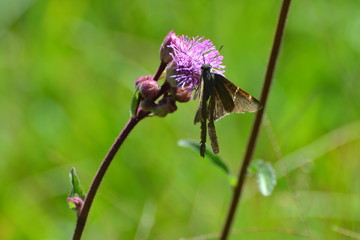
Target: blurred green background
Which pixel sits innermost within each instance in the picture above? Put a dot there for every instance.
(67, 73)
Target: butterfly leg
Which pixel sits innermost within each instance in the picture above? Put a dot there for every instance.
(203, 138)
(213, 137)
(211, 127)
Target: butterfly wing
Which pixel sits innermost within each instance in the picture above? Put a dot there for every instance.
(241, 100)
(199, 116)
(224, 103)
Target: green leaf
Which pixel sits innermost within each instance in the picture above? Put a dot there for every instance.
(134, 103)
(215, 160)
(265, 175)
(76, 189)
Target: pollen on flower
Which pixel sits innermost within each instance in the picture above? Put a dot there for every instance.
(189, 54)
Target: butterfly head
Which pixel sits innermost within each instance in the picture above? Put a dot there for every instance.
(206, 67)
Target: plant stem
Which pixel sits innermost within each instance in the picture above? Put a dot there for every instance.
(254, 134)
(84, 212)
(140, 114)
(160, 70)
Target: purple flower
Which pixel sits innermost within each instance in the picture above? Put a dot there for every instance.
(189, 54)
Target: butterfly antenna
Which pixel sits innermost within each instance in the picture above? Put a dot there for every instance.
(220, 48)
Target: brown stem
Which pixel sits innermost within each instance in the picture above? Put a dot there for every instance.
(81, 221)
(254, 134)
(160, 70)
(140, 114)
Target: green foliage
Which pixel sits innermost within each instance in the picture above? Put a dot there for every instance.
(67, 78)
(215, 160)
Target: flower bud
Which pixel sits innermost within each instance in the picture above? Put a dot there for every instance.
(147, 104)
(183, 94)
(76, 203)
(165, 50)
(161, 110)
(165, 106)
(141, 79)
(170, 103)
(149, 89)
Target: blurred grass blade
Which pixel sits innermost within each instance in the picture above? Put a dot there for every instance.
(134, 103)
(76, 189)
(214, 159)
(265, 175)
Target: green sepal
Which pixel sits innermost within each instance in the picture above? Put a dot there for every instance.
(134, 103)
(76, 188)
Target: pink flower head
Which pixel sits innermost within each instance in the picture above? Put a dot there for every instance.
(189, 54)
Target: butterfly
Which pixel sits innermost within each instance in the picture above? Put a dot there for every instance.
(218, 98)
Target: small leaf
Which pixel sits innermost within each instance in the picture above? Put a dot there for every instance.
(134, 103)
(72, 205)
(214, 159)
(265, 175)
(76, 189)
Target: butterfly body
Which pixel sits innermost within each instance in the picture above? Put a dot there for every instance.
(218, 98)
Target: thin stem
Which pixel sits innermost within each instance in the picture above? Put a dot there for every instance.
(255, 131)
(140, 114)
(160, 70)
(81, 221)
